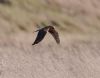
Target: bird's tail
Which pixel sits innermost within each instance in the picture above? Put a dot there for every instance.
(35, 31)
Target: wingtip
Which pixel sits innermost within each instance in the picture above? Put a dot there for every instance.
(33, 44)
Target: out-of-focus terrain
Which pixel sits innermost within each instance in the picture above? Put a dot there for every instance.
(77, 22)
(78, 16)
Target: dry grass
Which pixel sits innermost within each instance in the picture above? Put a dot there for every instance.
(79, 16)
(77, 58)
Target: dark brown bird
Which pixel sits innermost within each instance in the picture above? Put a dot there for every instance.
(42, 32)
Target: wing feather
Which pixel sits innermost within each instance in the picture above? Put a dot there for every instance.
(40, 36)
(55, 34)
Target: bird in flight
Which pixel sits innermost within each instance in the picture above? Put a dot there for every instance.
(43, 31)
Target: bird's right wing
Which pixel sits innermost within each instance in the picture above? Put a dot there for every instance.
(55, 34)
(41, 34)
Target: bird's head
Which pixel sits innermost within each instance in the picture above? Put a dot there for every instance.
(50, 26)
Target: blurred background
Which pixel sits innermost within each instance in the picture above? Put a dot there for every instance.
(78, 16)
(78, 24)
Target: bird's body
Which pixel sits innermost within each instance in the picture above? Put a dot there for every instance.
(42, 32)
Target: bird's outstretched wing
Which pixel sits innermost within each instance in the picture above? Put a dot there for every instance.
(40, 36)
(55, 34)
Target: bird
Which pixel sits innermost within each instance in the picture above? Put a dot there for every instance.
(43, 31)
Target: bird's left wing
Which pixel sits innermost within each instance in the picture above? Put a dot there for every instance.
(40, 36)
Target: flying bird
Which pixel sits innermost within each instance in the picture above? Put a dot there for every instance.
(43, 31)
